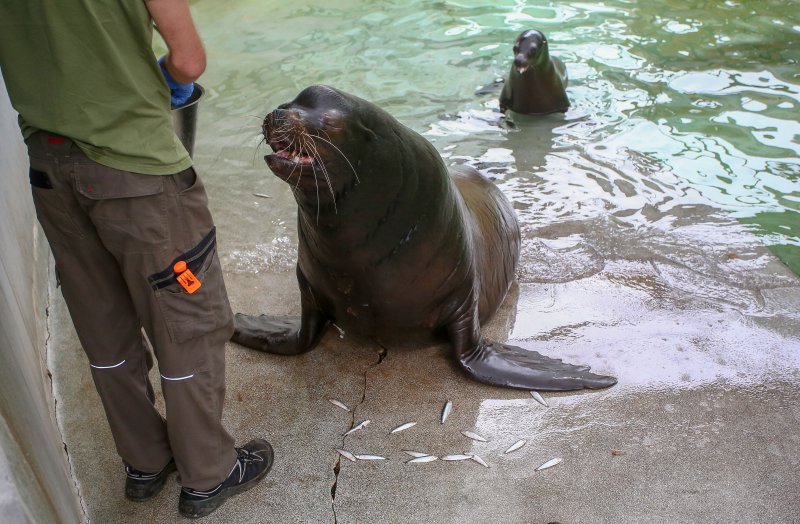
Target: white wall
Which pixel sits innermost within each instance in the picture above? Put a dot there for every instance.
(35, 483)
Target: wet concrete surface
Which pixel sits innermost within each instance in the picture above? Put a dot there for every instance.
(703, 426)
(700, 323)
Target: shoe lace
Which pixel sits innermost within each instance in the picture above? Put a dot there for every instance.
(248, 457)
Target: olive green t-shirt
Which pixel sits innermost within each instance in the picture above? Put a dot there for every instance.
(85, 69)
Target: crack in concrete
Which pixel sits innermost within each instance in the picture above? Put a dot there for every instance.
(47, 350)
(338, 464)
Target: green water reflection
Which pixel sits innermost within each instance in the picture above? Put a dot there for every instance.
(676, 103)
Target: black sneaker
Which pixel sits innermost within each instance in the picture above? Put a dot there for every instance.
(141, 486)
(252, 464)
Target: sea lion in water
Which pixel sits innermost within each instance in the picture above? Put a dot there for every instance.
(391, 246)
(537, 82)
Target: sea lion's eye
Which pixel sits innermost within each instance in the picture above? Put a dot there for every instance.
(330, 119)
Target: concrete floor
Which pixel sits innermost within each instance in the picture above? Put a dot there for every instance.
(703, 426)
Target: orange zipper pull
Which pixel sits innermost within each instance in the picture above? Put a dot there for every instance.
(185, 277)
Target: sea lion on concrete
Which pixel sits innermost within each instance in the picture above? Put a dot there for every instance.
(537, 82)
(391, 246)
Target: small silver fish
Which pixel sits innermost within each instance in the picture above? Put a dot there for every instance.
(415, 454)
(457, 456)
(516, 445)
(361, 425)
(474, 436)
(338, 404)
(448, 407)
(405, 426)
(420, 460)
(341, 331)
(261, 195)
(346, 454)
(479, 460)
(370, 457)
(539, 398)
(549, 464)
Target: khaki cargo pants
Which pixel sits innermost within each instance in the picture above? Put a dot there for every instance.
(115, 236)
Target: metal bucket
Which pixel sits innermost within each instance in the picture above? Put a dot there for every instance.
(184, 118)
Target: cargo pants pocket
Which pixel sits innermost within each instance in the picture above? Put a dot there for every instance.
(52, 206)
(191, 315)
(128, 210)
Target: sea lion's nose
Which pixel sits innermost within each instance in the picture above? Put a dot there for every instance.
(520, 61)
(285, 113)
(277, 121)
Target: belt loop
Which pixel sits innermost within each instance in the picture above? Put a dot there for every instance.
(75, 150)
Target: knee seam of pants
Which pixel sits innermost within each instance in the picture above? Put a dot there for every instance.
(108, 367)
(177, 378)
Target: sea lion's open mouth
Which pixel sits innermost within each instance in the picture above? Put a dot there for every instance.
(291, 153)
(293, 149)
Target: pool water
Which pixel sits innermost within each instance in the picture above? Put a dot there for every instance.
(682, 136)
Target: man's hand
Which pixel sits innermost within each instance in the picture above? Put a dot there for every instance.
(186, 59)
(179, 93)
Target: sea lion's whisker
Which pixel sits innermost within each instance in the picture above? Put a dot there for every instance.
(289, 147)
(341, 153)
(253, 160)
(316, 186)
(299, 175)
(280, 134)
(317, 156)
(290, 176)
(330, 188)
(285, 149)
(329, 141)
(283, 126)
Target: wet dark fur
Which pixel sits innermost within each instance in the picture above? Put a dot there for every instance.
(392, 246)
(537, 82)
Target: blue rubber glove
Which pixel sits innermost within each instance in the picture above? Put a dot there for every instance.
(179, 93)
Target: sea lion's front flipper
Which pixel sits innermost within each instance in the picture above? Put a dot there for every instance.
(283, 335)
(268, 333)
(515, 367)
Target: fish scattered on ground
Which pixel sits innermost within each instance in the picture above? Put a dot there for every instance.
(338, 404)
(361, 425)
(516, 445)
(617, 452)
(474, 436)
(370, 457)
(261, 195)
(403, 427)
(549, 464)
(448, 406)
(415, 454)
(479, 460)
(457, 456)
(539, 398)
(346, 454)
(420, 460)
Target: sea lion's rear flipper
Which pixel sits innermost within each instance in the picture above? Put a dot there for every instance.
(283, 335)
(515, 367)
